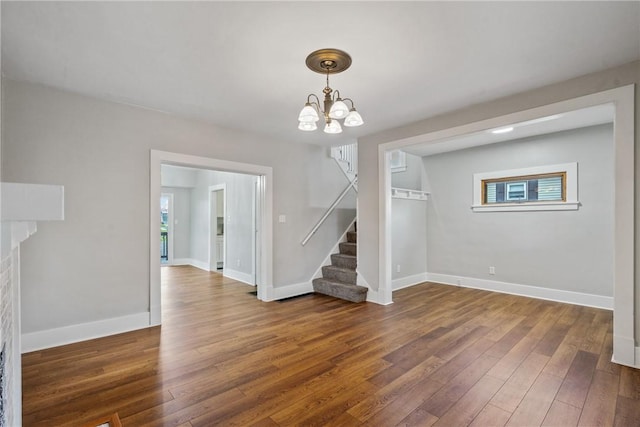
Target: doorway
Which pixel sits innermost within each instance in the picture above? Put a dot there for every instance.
(166, 228)
(263, 216)
(217, 215)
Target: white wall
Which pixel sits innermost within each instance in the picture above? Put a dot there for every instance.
(545, 249)
(238, 224)
(179, 177)
(409, 227)
(412, 177)
(95, 265)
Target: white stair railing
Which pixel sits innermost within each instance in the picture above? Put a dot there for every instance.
(330, 210)
(347, 157)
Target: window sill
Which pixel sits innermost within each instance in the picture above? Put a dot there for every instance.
(531, 206)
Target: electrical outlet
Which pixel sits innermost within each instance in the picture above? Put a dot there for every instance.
(492, 270)
(238, 263)
(398, 268)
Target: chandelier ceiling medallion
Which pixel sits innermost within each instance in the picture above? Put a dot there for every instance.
(333, 108)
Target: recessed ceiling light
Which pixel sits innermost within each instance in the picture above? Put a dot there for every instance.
(502, 130)
(540, 120)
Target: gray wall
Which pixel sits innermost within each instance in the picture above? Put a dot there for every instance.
(566, 250)
(95, 264)
(409, 223)
(191, 208)
(238, 225)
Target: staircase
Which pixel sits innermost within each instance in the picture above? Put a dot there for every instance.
(339, 279)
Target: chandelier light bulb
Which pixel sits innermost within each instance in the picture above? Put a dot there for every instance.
(333, 127)
(307, 126)
(339, 110)
(308, 114)
(353, 119)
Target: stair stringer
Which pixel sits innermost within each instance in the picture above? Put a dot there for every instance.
(305, 287)
(334, 249)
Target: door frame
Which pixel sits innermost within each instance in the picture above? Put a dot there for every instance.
(157, 158)
(212, 227)
(170, 228)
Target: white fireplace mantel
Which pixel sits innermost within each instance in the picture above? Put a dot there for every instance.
(25, 204)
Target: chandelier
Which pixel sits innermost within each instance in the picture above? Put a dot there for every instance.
(333, 108)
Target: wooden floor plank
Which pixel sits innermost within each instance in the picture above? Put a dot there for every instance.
(517, 385)
(562, 414)
(576, 383)
(439, 355)
(468, 406)
(536, 403)
(491, 416)
(600, 406)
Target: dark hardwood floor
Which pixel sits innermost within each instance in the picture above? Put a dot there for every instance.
(440, 355)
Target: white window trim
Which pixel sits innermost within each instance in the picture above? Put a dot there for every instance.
(571, 203)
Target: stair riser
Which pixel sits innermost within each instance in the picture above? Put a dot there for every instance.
(348, 248)
(339, 275)
(355, 294)
(352, 237)
(343, 262)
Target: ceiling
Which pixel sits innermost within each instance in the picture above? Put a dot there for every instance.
(242, 65)
(592, 116)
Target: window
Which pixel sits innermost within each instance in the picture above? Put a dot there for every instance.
(553, 187)
(549, 187)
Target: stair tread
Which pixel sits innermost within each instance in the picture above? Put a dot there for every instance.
(345, 256)
(335, 267)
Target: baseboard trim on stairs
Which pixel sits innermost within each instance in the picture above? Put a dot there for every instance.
(84, 331)
(293, 290)
(570, 297)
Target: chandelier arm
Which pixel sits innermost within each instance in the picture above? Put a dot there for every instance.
(315, 104)
(317, 101)
(350, 100)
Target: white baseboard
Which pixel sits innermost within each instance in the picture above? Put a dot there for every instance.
(202, 265)
(239, 276)
(625, 351)
(405, 282)
(570, 297)
(294, 290)
(85, 331)
(375, 297)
